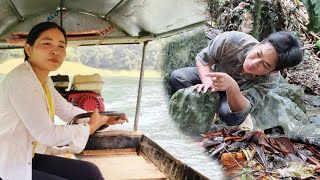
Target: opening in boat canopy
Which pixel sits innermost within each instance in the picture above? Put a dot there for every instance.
(98, 21)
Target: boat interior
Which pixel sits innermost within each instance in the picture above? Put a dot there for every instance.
(125, 162)
(129, 155)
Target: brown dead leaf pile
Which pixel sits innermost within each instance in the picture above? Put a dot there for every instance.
(262, 155)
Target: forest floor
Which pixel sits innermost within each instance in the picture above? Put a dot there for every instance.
(307, 76)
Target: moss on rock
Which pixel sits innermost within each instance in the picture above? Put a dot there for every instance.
(193, 111)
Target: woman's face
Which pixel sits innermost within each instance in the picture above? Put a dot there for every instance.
(261, 60)
(48, 52)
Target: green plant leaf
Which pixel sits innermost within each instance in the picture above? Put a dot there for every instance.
(313, 9)
(318, 44)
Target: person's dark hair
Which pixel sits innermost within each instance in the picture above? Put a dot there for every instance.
(288, 49)
(36, 31)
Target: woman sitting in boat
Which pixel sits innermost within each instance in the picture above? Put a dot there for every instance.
(28, 103)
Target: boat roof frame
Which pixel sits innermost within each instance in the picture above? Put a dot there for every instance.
(176, 19)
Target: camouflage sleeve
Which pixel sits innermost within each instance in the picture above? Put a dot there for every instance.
(215, 50)
(254, 97)
(245, 111)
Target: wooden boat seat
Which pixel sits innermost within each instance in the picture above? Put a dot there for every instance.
(123, 164)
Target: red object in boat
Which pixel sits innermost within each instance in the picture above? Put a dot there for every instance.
(86, 100)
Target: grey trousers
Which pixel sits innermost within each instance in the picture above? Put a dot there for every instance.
(189, 76)
(56, 168)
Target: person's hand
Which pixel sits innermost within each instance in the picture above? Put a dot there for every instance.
(221, 81)
(206, 84)
(97, 120)
(117, 120)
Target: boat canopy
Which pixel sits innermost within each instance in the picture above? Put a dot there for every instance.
(102, 22)
(95, 22)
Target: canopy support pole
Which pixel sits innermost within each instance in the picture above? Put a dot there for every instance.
(136, 119)
(61, 6)
(15, 10)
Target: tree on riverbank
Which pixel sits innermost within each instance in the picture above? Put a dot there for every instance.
(112, 57)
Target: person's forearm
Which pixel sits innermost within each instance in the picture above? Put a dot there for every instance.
(236, 100)
(203, 70)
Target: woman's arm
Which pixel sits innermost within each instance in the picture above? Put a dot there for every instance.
(28, 101)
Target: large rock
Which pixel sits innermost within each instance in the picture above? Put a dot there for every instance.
(193, 111)
(293, 92)
(283, 106)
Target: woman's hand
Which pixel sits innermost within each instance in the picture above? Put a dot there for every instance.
(97, 120)
(117, 120)
(221, 81)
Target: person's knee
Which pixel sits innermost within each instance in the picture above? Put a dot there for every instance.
(92, 167)
(174, 77)
(93, 171)
(224, 109)
(184, 78)
(229, 118)
(176, 80)
(224, 116)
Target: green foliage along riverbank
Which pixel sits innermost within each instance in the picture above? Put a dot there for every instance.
(108, 57)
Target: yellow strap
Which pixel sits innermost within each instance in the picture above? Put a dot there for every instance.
(51, 112)
(51, 107)
(34, 147)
